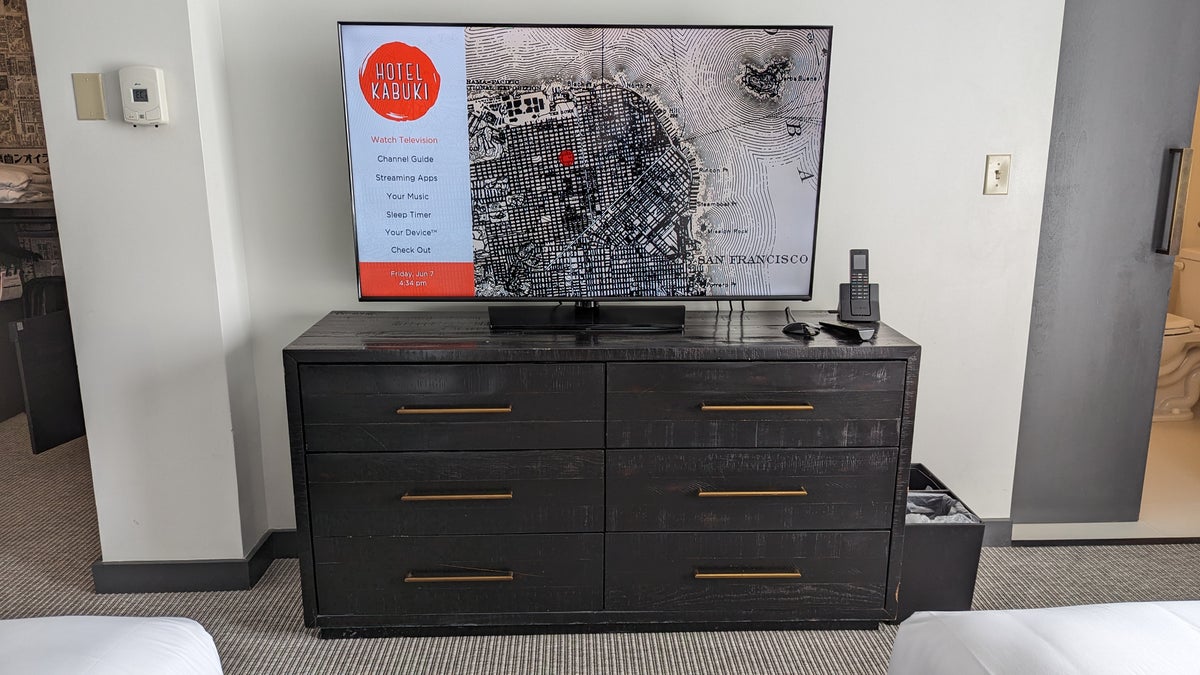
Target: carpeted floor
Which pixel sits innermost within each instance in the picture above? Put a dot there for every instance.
(48, 540)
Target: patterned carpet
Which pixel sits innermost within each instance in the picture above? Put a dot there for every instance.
(48, 541)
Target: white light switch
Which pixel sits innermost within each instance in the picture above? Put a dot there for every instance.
(89, 96)
(995, 177)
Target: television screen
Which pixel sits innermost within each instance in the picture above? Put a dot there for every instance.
(584, 162)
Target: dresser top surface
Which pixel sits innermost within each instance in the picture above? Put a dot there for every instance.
(465, 336)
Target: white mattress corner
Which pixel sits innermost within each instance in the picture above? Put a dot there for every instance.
(1159, 638)
(107, 645)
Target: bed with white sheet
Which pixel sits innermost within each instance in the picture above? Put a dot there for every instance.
(107, 645)
(1159, 638)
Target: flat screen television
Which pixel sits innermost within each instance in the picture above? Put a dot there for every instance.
(584, 163)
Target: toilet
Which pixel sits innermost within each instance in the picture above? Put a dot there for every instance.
(1179, 367)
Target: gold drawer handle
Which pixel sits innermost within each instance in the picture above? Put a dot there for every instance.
(753, 408)
(412, 578)
(762, 574)
(407, 410)
(752, 493)
(469, 497)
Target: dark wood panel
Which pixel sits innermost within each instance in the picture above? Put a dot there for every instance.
(568, 434)
(549, 491)
(295, 415)
(550, 573)
(688, 407)
(450, 384)
(654, 490)
(663, 404)
(717, 378)
(656, 571)
(354, 408)
(830, 433)
(513, 623)
(911, 374)
(464, 336)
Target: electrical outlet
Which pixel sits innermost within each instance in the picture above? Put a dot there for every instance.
(995, 176)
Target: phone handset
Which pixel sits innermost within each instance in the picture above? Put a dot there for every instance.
(859, 299)
(860, 283)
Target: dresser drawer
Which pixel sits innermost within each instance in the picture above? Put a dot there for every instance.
(800, 572)
(755, 404)
(453, 574)
(455, 492)
(688, 490)
(369, 408)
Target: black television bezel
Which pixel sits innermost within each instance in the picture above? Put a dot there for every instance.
(580, 299)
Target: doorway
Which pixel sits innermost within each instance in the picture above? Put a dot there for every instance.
(1171, 492)
(38, 374)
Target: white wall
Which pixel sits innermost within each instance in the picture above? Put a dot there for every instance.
(216, 142)
(147, 221)
(915, 104)
(914, 107)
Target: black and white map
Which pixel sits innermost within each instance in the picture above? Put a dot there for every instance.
(644, 162)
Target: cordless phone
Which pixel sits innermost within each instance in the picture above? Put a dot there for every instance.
(860, 284)
(858, 301)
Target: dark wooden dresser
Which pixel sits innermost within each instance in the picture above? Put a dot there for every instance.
(449, 479)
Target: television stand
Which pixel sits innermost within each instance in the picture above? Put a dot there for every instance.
(588, 315)
(452, 480)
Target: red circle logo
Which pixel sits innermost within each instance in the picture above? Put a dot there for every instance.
(399, 82)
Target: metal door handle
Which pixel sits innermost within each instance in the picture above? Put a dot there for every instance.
(419, 578)
(414, 410)
(752, 493)
(1174, 202)
(753, 408)
(467, 497)
(749, 574)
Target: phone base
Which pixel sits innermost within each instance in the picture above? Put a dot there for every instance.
(844, 305)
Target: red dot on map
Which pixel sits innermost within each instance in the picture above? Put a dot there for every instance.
(566, 157)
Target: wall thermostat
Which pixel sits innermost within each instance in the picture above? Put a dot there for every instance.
(143, 95)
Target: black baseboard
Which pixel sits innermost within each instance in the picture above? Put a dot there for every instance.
(285, 544)
(172, 576)
(997, 532)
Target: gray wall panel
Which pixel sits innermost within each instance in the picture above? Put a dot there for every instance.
(1127, 81)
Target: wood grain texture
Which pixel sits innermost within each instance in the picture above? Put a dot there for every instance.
(349, 466)
(304, 553)
(361, 493)
(660, 405)
(464, 337)
(911, 373)
(656, 570)
(412, 435)
(578, 622)
(752, 434)
(657, 490)
(366, 575)
(353, 408)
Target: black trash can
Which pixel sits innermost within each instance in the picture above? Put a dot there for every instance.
(940, 560)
